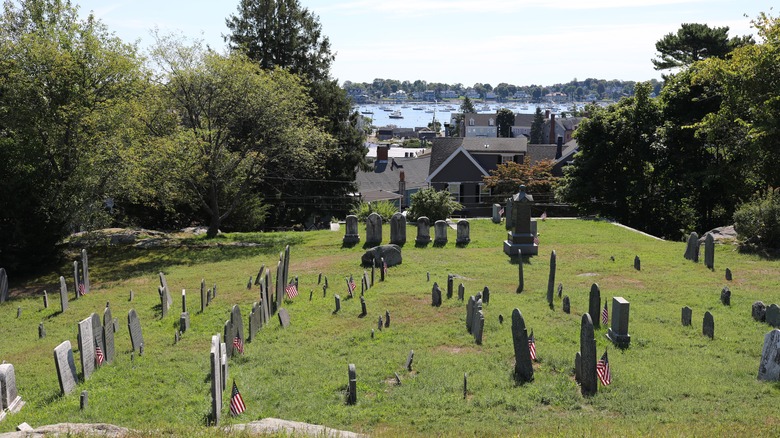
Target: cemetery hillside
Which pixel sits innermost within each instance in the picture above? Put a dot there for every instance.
(397, 359)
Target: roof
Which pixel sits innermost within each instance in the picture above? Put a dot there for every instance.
(495, 145)
(524, 120)
(441, 149)
(539, 152)
(385, 176)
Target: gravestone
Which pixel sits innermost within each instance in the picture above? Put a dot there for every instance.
(66, 367)
(500, 318)
(560, 290)
(131, 296)
(85, 271)
(374, 229)
(566, 304)
(41, 331)
(97, 333)
(184, 300)
(363, 310)
(769, 367)
(45, 300)
(390, 253)
(109, 348)
(202, 295)
(522, 237)
(223, 363)
(409, 360)
(279, 298)
(286, 267)
(577, 367)
(184, 322)
(758, 311)
(165, 295)
(163, 301)
(254, 322)
(692, 248)
(450, 281)
(588, 376)
(486, 295)
(520, 277)
(496, 213)
(3, 285)
(687, 315)
(352, 389)
(351, 235)
(524, 370)
(435, 295)
(708, 326)
(398, 229)
(469, 313)
(551, 278)
(637, 263)
(84, 400)
(423, 231)
(461, 292)
(440, 233)
(259, 277)
(387, 318)
(728, 274)
(9, 394)
(63, 294)
(725, 296)
(215, 361)
(237, 321)
(134, 327)
(372, 276)
(479, 325)
(86, 348)
(382, 269)
(773, 315)
(284, 317)
(465, 385)
(618, 332)
(594, 305)
(464, 233)
(709, 251)
(228, 335)
(76, 279)
(379, 323)
(338, 304)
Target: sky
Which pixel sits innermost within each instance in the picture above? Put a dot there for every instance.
(520, 42)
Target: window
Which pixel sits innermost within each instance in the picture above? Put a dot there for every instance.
(484, 193)
(471, 122)
(454, 188)
(490, 122)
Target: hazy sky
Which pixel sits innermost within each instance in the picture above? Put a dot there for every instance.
(520, 42)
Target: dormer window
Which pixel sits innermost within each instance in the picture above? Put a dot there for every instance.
(490, 122)
(471, 122)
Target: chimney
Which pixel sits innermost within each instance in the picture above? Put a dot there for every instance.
(381, 152)
(546, 114)
(402, 186)
(559, 148)
(552, 128)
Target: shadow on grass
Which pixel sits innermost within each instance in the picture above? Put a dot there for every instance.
(515, 260)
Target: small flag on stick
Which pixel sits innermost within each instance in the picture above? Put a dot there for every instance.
(238, 344)
(532, 345)
(536, 240)
(99, 357)
(236, 402)
(351, 285)
(605, 314)
(82, 289)
(501, 212)
(543, 216)
(291, 290)
(602, 369)
(384, 267)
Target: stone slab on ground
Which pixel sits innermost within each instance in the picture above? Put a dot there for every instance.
(69, 429)
(296, 428)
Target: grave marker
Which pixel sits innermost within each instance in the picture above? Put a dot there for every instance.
(184, 322)
(687, 314)
(520, 279)
(566, 304)
(588, 377)
(76, 280)
(134, 327)
(440, 233)
(85, 271)
(284, 317)
(9, 394)
(551, 279)
(464, 233)
(728, 274)
(409, 360)
(374, 229)
(387, 318)
(63, 294)
(486, 295)
(773, 315)
(3, 285)
(725, 296)
(461, 292)
(692, 248)
(708, 326)
(351, 235)
(86, 348)
(109, 347)
(479, 324)
(423, 231)
(41, 331)
(618, 332)
(769, 367)
(203, 299)
(469, 313)
(637, 263)
(363, 312)
(449, 286)
(709, 251)
(45, 300)
(97, 333)
(594, 305)
(398, 229)
(338, 304)
(758, 311)
(435, 295)
(215, 360)
(352, 390)
(524, 370)
(66, 367)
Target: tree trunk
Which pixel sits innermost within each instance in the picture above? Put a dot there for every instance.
(213, 226)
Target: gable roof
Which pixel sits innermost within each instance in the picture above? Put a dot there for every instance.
(524, 120)
(441, 149)
(460, 150)
(496, 145)
(384, 176)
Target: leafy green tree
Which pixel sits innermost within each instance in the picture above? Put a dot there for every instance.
(66, 92)
(467, 106)
(504, 180)
(757, 222)
(537, 125)
(431, 203)
(694, 42)
(505, 119)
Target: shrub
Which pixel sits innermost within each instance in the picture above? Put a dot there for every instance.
(386, 209)
(757, 222)
(435, 205)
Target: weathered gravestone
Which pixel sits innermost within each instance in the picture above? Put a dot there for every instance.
(725, 296)
(41, 331)
(551, 279)
(45, 300)
(464, 233)
(63, 294)
(165, 295)
(594, 304)
(709, 251)
(66, 367)
(469, 313)
(374, 229)
(215, 361)
(769, 367)
(76, 280)
(109, 349)
(560, 290)
(134, 327)
(9, 394)
(773, 315)
(97, 333)
(588, 377)
(728, 274)
(687, 315)
(708, 326)
(486, 295)
(183, 300)
(3, 285)
(259, 277)
(184, 322)
(131, 296)
(254, 322)
(202, 295)
(398, 229)
(351, 235)
(435, 295)
(379, 323)
(461, 292)
(618, 332)
(387, 318)
(577, 367)
(85, 271)
(86, 348)
(409, 361)
(520, 277)
(522, 235)
(479, 327)
(423, 231)
(390, 253)
(352, 388)
(238, 323)
(637, 263)
(440, 233)
(524, 370)
(566, 304)
(363, 310)
(692, 248)
(450, 281)
(284, 317)
(758, 311)
(229, 335)
(286, 267)
(338, 304)
(496, 217)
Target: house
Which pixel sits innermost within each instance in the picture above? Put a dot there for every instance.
(393, 178)
(479, 125)
(522, 125)
(398, 96)
(564, 127)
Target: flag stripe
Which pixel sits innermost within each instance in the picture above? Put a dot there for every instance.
(236, 401)
(291, 290)
(238, 344)
(602, 369)
(99, 357)
(605, 314)
(532, 346)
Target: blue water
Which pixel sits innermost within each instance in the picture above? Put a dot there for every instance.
(417, 118)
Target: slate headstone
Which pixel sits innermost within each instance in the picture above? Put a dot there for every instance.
(423, 231)
(450, 281)
(352, 389)
(184, 322)
(363, 310)
(773, 315)
(709, 251)
(63, 294)
(284, 317)
(85, 271)
(374, 229)
(637, 263)
(351, 235)
(524, 370)
(9, 394)
(728, 274)
(379, 324)
(215, 361)
(769, 367)
(202, 295)
(496, 218)
(97, 333)
(708, 326)
(594, 305)
(520, 277)
(486, 295)
(387, 318)
(109, 347)
(76, 279)
(435, 295)
(134, 327)
(560, 290)
(86, 348)
(41, 331)
(479, 327)
(440, 233)
(464, 233)
(3, 285)
(338, 304)
(758, 311)
(469, 313)
(398, 229)
(687, 315)
(551, 279)
(238, 323)
(588, 377)
(725, 296)
(566, 304)
(692, 248)
(66, 367)
(45, 300)
(461, 292)
(577, 367)
(409, 360)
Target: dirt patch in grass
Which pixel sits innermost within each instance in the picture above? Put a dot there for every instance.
(454, 349)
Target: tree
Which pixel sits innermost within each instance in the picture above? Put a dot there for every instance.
(281, 33)
(66, 92)
(694, 42)
(505, 119)
(433, 204)
(505, 178)
(467, 107)
(537, 125)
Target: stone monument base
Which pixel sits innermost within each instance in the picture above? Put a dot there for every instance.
(511, 249)
(620, 341)
(422, 240)
(351, 238)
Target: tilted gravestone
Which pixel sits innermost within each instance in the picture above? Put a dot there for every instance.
(708, 326)
(435, 295)
(637, 263)
(464, 233)
(97, 333)
(692, 248)
(725, 296)
(165, 295)
(479, 325)
(773, 315)
(687, 315)
(566, 304)
(351, 235)
(41, 331)
(423, 231)
(363, 311)
(409, 361)
(76, 279)
(337, 299)
(215, 360)
(63, 294)
(9, 394)
(520, 279)
(134, 327)
(352, 388)
(163, 301)
(758, 311)
(184, 322)
(594, 305)
(461, 292)
(398, 229)
(469, 312)
(374, 229)
(66, 367)
(86, 348)
(284, 317)
(709, 251)
(45, 300)
(440, 233)
(769, 367)
(450, 281)
(109, 350)
(486, 295)
(85, 271)
(3, 285)
(524, 370)
(588, 376)
(259, 278)
(618, 332)
(551, 279)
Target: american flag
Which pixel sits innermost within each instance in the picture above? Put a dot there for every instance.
(236, 402)
(238, 344)
(501, 212)
(82, 289)
(536, 240)
(384, 268)
(543, 216)
(602, 369)
(291, 290)
(99, 357)
(605, 314)
(351, 285)
(532, 345)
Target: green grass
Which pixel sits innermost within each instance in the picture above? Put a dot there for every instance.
(671, 381)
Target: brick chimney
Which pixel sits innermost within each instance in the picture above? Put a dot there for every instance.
(402, 186)
(552, 128)
(559, 148)
(381, 152)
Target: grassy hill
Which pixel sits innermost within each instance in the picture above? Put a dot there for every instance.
(672, 380)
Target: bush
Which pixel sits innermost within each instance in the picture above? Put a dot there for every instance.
(386, 209)
(757, 222)
(435, 205)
